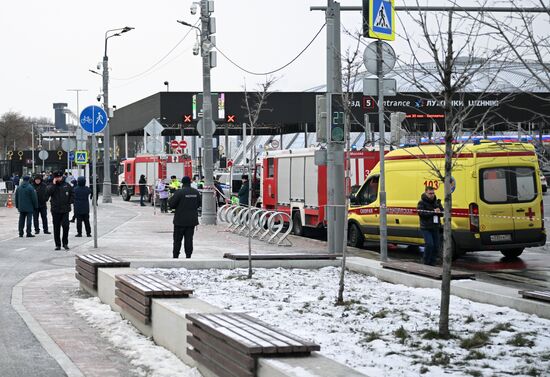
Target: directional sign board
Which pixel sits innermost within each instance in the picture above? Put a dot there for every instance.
(93, 119)
(379, 19)
(81, 157)
(154, 128)
(201, 129)
(71, 156)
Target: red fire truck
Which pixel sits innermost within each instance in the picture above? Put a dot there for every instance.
(154, 168)
(292, 183)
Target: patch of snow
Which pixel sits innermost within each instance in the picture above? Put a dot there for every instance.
(292, 371)
(383, 329)
(148, 358)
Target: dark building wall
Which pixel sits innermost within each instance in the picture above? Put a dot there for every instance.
(132, 118)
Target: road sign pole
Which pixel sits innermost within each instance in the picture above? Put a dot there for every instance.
(95, 183)
(382, 137)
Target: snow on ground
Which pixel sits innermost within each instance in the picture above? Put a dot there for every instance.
(148, 358)
(383, 329)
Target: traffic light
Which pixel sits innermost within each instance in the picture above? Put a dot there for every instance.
(337, 119)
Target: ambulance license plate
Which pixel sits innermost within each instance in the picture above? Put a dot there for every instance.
(501, 237)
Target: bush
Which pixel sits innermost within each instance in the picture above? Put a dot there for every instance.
(519, 340)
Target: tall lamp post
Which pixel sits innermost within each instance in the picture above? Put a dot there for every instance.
(208, 27)
(106, 142)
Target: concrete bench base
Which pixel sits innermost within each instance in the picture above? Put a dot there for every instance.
(168, 326)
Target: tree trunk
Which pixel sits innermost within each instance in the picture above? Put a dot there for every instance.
(447, 235)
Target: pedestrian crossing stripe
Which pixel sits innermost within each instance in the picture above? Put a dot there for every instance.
(381, 19)
(81, 157)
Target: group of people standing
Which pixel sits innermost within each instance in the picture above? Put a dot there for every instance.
(31, 200)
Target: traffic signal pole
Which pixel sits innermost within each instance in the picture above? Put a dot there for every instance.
(336, 213)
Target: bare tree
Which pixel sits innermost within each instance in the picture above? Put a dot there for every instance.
(458, 49)
(14, 128)
(254, 105)
(351, 66)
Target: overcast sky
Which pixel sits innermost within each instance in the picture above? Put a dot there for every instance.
(49, 47)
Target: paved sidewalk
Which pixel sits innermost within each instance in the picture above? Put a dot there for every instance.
(41, 284)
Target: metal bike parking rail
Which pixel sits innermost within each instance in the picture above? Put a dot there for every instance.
(263, 225)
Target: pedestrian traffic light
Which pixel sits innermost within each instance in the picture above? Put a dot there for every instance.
(337, 117)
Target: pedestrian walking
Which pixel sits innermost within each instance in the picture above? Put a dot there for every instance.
(42, 211)
(82, 196)
(15, 179)
(142, 189)
(186, 202)
(62, 197)
(25, 201)
(430, 212)
(162, 190)
(243, 191)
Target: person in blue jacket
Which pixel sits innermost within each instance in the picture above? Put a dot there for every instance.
(82, 196)
(26, 201)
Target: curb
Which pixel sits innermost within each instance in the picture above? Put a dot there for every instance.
(47, 343)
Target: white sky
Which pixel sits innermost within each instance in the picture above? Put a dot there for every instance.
(49, 46)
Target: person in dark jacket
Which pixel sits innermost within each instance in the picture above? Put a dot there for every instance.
(42, 211)
(61, 195)
(82, 196)
(25, 201)
(142, 189)
(15, 180)
(430, 212)
(243, 191)
(186, 202)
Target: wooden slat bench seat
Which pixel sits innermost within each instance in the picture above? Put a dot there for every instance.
(536, 295)
(275, 256)
(229, 344)
(134, 293)
(86, 267)
(435, 272)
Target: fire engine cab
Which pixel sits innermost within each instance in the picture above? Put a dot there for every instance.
(154, 168)
(292, 183)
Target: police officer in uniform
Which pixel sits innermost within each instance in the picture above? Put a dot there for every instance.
(62, 197)
(186, 202)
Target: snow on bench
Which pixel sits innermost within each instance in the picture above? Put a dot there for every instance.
(229, 344)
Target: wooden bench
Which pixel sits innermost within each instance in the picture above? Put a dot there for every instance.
(134, 293)
(536, 295)
(275, 256)
(87, 265)
(434, 272)
(229, 344)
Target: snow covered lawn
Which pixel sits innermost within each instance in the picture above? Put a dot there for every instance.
(383, 329)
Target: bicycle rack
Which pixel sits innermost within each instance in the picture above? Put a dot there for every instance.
(264, 225)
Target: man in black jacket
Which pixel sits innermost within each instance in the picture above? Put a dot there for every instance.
(430, 212)
(186, 202)
(42, 211)
(62, 196)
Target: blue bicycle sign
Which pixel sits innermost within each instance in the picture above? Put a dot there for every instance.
(93, 119)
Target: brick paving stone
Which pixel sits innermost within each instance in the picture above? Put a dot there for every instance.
(49, 302)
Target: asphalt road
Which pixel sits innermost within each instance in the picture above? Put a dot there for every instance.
(20, 352)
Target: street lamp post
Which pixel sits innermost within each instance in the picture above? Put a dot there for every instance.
(106, 142)
(167, 86)
(208, 61)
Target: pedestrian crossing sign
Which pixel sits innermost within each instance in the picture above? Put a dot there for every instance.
(379, 19)
(81, 157)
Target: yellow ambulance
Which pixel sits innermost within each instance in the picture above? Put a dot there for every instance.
(496, 190)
